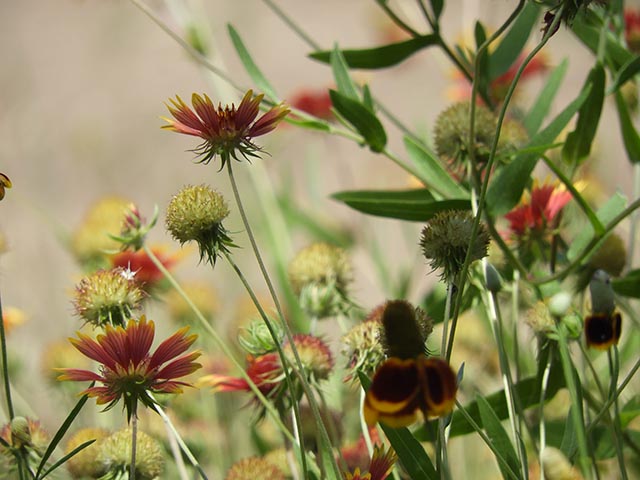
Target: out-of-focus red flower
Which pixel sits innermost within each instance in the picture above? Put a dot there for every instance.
(538, 214)
(315, 102)
(146, 272)
(461, 89)
(632, 28)
(265, 371)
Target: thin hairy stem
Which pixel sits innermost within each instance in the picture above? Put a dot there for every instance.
(303, 381)
(218, 341)
(134, 441)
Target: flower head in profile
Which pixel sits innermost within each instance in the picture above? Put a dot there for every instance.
(4, 184)
(380, 467)
(226, 131)
(538, 214)
(145, 273)
(128, 370)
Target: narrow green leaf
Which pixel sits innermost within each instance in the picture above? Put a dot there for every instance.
(73, 452)
(578, 144)
(605, 214)
(362, 119)
(630, 136)
(437, 6)
(412, 205)
(542, 104)
(480, 34)
(341, 75)
(61, 432)
(431, 170)
(629, 285)
(527, 390)
(626, 73)
(630, 411)
(499, 439)
(509, 49)
(506, 189)
(411, 454)
(250, 66)
(587, 28)
(569, 444)
(367, 98)
(318, 125)
(379, 57)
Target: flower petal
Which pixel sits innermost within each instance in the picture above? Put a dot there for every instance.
(172, 347)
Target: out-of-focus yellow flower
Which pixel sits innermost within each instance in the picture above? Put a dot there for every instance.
(12, 317)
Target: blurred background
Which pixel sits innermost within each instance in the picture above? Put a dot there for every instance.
(82, 89)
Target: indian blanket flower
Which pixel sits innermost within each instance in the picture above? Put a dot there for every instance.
(226, 131)
(128, 371)
(267, 373)
(538, 214)
(381, 466)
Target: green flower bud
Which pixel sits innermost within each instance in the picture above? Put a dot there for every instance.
(257, 340)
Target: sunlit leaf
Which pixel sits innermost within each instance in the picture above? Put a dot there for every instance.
(413, 205)
(250, 66)
(380, 57)
(362, 119)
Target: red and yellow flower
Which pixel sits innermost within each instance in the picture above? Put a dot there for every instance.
(146, 272)
(538, 214)
(380, 467)
(227, 131)
(128, 370)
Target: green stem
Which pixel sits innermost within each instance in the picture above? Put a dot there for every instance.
(614, 367)
(488, 442)
(283, 359)
(176, 435)
(576, 403)
(495, 319)
(542, 427)
(219, 342)
(303, 381)
(134, 441)
(5, 366)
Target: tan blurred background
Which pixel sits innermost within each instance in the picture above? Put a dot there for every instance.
(82, 86)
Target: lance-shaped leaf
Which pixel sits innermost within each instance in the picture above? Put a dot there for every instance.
(543, 102)
(629, 285)
(413, 205)
(630, 136)
(379, 57)
(250, 66)
(509, 49)
(626, 73)
(362, 119)
(578, 144)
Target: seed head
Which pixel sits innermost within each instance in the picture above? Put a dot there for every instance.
(254, 468)
(115, 455)
(445, 241)
(196, 214)
(84, 464)
(320, 274)
(107, 297)
(314, 354)
(405, 329)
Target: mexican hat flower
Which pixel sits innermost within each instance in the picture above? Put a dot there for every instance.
(380, 467)
(227, 131)
(128, 370)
